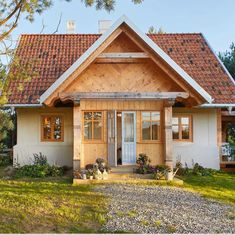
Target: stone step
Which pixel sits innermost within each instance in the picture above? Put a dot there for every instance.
(126, 176)
(123, 169)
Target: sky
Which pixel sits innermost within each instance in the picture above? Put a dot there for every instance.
(214, 18)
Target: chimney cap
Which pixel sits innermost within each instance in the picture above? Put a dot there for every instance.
(104, 25)
(71, 26)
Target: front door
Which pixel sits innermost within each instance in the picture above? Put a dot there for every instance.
(128, 138)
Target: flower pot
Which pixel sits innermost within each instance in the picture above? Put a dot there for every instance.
(169, 176)
(91, 177)
(105, 175)
(84, 176)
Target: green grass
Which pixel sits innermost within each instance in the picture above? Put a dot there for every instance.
(50, 206)
(220, 186)
(54, 205)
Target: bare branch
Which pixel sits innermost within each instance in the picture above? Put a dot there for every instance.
(58, 25)
(43, 27)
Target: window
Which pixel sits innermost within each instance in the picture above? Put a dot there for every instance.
(52, 128)
(93, 126)
(182, 127)
(150, 126)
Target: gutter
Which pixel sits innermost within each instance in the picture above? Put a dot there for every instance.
(217, 106)
(23, 105)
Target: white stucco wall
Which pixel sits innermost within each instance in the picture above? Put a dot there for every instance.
(203, 149)
(29, 137)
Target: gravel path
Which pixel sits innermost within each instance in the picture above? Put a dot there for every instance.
(152, 209)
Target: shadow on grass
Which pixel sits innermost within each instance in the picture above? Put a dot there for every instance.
(51, 205)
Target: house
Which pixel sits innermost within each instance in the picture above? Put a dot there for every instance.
(120, 94)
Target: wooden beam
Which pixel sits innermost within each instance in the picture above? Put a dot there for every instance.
(129, 55)
(123, 95)
(77, 161)
(219, 131)
(120, 61)
(168, 136)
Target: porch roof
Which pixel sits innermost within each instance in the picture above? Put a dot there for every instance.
(77, 96)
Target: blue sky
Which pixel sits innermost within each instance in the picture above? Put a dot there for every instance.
(214, 18)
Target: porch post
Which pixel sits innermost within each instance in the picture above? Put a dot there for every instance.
(76, 137)
(168, 133)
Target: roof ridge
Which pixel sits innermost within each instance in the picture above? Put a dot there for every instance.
(98, 34)
(174, 33)
(60, 34)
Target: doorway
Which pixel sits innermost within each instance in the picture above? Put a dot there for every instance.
(121, 138)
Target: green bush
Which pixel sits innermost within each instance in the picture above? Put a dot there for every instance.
(201, 171)
(39, 169)
(143, 162)
(39, 159)
(195, 170)
(5, 160)
(181, 170)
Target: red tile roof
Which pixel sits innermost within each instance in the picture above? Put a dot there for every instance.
(54, 54)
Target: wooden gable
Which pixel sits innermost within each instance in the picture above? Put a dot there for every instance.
(123, 77)
(118, 74)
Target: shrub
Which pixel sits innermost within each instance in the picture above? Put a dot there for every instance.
(201, 171)
(39, 169)
(5, 160)
(181, 170)
(195, 170)
(89, 166)
(144, 166)
(39, 159)
(55, 171)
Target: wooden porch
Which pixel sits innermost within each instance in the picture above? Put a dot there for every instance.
(112, 104)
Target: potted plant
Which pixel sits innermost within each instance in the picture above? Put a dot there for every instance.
(90, 173)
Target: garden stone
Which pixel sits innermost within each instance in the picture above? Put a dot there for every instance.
(9, 171)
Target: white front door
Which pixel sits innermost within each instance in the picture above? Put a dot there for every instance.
(128, 138)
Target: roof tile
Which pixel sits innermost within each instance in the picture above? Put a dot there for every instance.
(54, 54)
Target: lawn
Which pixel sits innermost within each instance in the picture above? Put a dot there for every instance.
(40, 206)
(220, 186)
(54, 205)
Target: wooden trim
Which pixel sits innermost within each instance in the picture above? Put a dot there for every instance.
(120, 61)
(129, 55)
(52, 116)
(122, 95)
(219, 129)
(179, 116)
(92, 141)
(168, 146)
(159, 131)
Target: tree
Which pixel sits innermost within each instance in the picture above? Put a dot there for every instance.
(228, 58)
(10, 14)
(153, 30)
